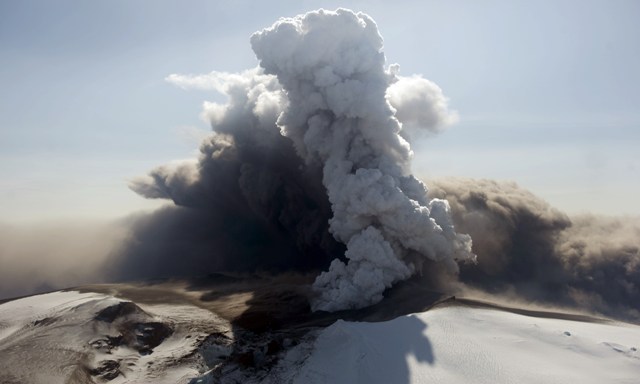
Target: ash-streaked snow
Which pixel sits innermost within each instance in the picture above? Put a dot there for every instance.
(72, 337)
(87, 338)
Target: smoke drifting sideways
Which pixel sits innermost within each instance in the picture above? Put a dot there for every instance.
(529, 251)
(307, 166)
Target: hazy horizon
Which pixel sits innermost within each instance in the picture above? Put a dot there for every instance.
(546, 94)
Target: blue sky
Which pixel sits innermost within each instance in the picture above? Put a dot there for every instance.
(548, 94)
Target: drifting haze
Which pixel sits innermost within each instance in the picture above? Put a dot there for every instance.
(39, 258)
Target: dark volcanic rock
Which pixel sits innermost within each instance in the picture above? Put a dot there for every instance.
(113, 312)
(136, 328)
(143, 337)
(106, 370)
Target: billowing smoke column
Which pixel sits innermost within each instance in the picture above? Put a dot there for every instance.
(308, 156)
(332, 67)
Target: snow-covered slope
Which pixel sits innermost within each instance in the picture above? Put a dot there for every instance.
(469, 345)
(72, 337)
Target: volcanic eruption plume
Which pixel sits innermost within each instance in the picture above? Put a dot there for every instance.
(308, 169)
(309, 149)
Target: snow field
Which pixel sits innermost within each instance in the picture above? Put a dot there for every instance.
(462, 345)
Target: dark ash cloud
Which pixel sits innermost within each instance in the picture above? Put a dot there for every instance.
(528, 249)
(248, 203)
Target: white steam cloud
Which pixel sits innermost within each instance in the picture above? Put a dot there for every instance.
(332, 68)
(420, 106)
